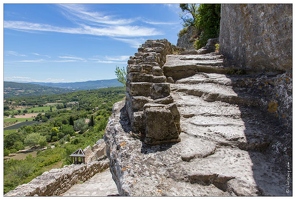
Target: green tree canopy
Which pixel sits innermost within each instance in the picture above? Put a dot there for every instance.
(80, 125)
(205, 18)
(34, 139)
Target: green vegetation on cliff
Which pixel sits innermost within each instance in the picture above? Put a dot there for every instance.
(205, 18)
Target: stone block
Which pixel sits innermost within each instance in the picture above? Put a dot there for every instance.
(146, 68)
(160, 90)
(138, 77)
(136, 103)
(139, 89)
(134, 68)
(157, 71)
(159, 125)
(158, 79)
(137, 122)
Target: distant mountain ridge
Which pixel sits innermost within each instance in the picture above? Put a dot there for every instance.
(14, 89)
(86, 85)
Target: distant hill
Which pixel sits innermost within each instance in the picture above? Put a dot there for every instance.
(13, 89)
(87, 85)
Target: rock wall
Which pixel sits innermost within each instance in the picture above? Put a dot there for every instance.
(258, 38)
(186, 41)
(58, 181)
(152, 113)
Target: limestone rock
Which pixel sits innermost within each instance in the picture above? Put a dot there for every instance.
(248, 44)
(230, 145)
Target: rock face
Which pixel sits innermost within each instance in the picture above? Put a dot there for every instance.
(259, 37)
(186, 40)
(231, 145)
(152, 113)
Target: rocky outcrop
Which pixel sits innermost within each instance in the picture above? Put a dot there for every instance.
(230, 144)
(265, 47)
(248, 44)
(57, 181)
(152, 113)
(187, 39)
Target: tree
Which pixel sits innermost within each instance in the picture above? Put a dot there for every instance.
(205, 18)
(91, 121)
(121, 75)
(67, 129)
(80, 125)
(71, 121)
(33, 139)
(190, 17)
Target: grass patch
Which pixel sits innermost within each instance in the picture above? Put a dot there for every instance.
(8, 132)
(17, 119)
(41, 109)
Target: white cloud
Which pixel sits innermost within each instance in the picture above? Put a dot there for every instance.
(32, 61)
(110, 59)
(135, 43)
(174, 7)
(112, 31)
(117, 58)
(72, 58)
(14, 53)
(37, 54)
(81, 13)
(159, 23)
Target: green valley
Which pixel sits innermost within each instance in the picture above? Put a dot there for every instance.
(42, 131)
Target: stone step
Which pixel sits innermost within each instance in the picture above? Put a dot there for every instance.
(247, 173)
(213, 92)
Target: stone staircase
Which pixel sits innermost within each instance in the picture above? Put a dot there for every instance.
(230, 145)
(228, 134)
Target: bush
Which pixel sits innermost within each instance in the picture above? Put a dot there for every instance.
(197, 44)
(206, 19)
(183, 32)
(6, 152)
(217, 47)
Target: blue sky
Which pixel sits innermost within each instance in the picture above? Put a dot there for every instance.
(79, 42)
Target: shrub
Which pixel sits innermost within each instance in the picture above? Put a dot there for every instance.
(6, 152)
(197, 44)
(183, 32)
(217, 47)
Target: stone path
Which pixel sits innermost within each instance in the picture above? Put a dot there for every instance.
(229, 145)
(226, 133)
(100, 184)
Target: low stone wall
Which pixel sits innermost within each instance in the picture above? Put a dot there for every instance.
(150, 107)
(57, 181)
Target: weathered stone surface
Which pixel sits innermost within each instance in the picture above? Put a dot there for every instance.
(210, 46)
(160, 90)
(182, 66)
(139, 89)
(248, 44)
(160, 125)
(186, 41)
(57, 181)
(230, 146)
(147, 84)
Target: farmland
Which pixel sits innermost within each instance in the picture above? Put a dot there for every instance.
(53, 126)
